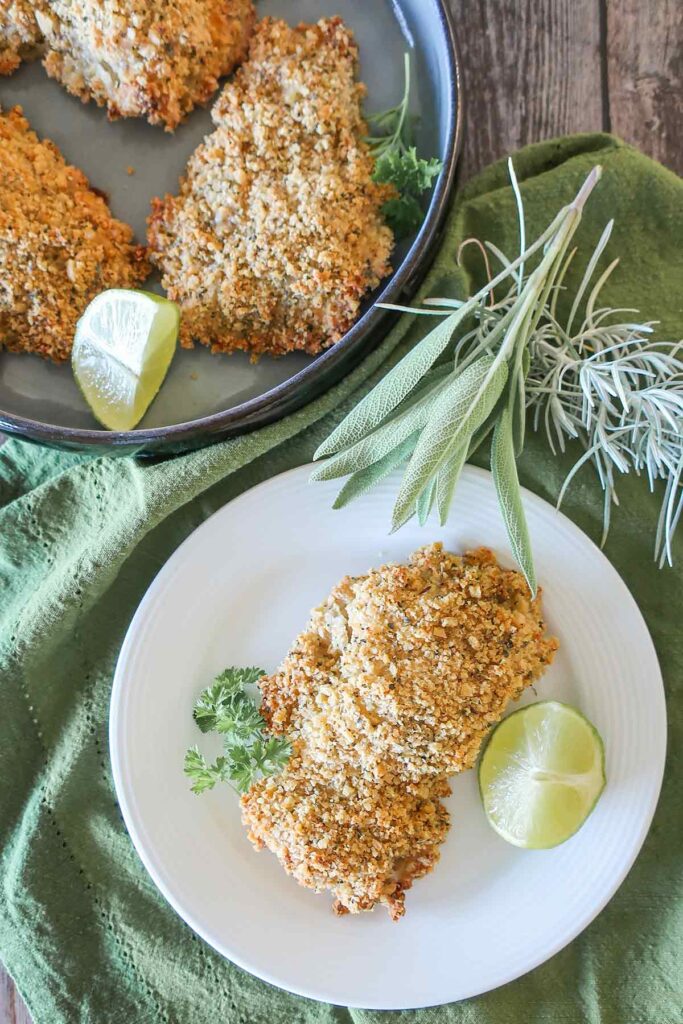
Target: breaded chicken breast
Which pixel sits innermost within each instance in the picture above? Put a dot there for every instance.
(389, 691)
(155, 60)
(276, 233)
(59, 244)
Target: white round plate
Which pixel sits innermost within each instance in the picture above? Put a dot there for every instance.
(236, 593)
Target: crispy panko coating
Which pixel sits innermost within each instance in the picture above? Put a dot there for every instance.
(20, 37)
(59, 244)
(155, 60)
(389, 691)
(276, 233)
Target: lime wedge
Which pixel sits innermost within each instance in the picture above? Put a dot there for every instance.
(124, 344)
(541, 774)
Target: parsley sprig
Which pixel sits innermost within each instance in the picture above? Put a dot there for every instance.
(249, 752)
(397, 163)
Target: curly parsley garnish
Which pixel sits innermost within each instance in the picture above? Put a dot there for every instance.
(249, 751)
(397, 163)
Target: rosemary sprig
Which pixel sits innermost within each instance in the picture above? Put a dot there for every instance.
(620, 394)
(488, 360)
(397, 163)
(605, 383)
(249, 752)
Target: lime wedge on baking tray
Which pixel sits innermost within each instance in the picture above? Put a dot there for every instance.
(541, 774)
(123, 347)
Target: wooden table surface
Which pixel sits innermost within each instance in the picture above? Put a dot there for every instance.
(537, 68)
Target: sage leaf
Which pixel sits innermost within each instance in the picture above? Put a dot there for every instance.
(506, 482)
(380, 442)
(392, 389)
(519, 399)
(446, 481)
(461, 408)
(425, 502)
(480, 435)
(361, 481)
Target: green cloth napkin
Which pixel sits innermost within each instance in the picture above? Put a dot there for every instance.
(82, 929)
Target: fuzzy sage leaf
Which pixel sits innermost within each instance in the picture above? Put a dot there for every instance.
(362, 480)
(461, 408)
(374, 446)
(506, 481)
(446, 481)
(518, 394)
(372, 410)
(425, 501)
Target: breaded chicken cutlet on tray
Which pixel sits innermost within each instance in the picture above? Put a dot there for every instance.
(155, 60)
(390, 690)
(59, 244)
(277, 234)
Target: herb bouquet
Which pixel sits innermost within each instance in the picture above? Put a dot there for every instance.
(594, 377)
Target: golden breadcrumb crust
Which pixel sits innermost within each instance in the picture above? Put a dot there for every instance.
(20, 37)
(139, 59)
(276, 233)
(389, 691)
(59, 244)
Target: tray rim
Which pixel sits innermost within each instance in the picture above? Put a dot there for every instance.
(316, 378)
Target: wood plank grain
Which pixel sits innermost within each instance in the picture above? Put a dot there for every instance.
(532, 69)
(12, 1009)
(644, 49)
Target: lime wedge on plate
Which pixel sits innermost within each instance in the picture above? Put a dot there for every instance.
(123, 347)
(541, 774)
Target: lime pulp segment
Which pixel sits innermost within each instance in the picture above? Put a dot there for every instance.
(123, 347)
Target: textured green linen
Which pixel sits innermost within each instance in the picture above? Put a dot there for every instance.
(82, 929)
